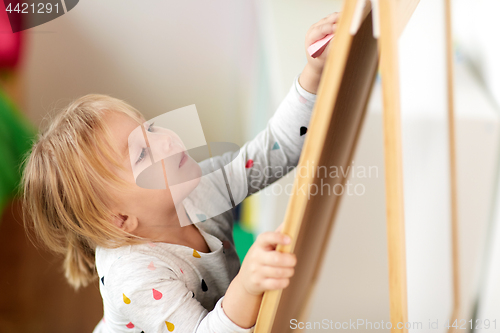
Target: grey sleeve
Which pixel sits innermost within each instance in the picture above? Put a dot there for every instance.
(158, 301)
(274, 151)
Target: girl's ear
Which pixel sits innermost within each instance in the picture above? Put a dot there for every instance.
(125, 222)
(131, 223)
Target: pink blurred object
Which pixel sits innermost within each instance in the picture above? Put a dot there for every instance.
(10, 43)
(316, 49)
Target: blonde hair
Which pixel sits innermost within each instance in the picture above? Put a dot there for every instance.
(66, 182)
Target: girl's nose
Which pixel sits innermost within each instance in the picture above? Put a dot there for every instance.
(161, 146)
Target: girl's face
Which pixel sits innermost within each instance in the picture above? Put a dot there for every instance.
(159, 160)
(161, 176)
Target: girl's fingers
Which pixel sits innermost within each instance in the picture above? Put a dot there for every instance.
(277, 259)
(271, 272)
(321, 31)
(269, 240)
(273, 284)
(332, 18)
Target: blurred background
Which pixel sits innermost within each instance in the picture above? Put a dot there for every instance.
(236, 61)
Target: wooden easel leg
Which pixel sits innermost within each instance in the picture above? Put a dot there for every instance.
(453, 168)
(393, 165)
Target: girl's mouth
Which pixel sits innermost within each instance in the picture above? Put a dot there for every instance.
(184, 158)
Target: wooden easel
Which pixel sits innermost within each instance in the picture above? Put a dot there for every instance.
(343, 94)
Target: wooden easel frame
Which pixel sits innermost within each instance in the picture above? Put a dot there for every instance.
(333, 132)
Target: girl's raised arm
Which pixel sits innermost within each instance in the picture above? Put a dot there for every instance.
(275, 151)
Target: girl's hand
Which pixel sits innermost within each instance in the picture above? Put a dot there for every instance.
(264, 268)
(311, 75)
(317, 31)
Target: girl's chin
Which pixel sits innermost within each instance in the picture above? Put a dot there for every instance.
(191, 170)
(182, 191)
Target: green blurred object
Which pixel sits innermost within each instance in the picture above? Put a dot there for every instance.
(243, 239)
(16, 135)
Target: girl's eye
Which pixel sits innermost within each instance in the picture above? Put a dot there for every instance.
(144, 150)
(142, 156)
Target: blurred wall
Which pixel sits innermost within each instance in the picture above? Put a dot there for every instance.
(477, 27)
(156, 55)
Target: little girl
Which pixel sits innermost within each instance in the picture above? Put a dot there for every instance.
(155, 275)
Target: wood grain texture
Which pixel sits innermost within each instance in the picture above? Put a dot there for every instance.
(331, 138)
(453, 167)
(389, 69)
(34, 295)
